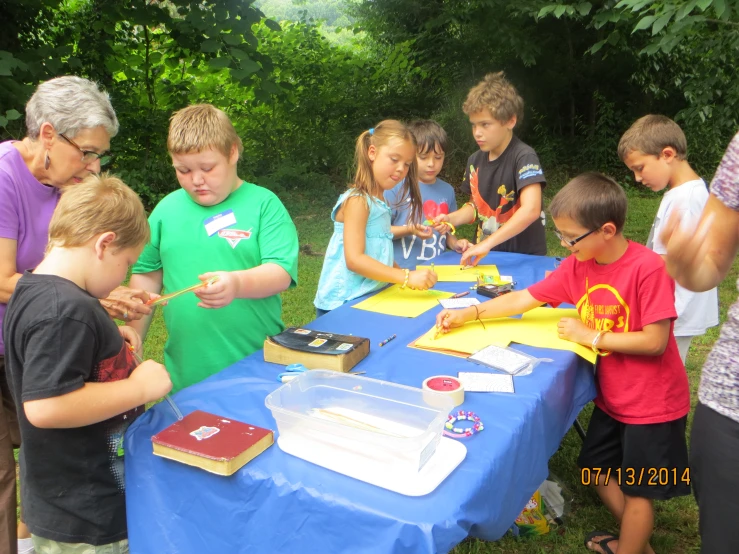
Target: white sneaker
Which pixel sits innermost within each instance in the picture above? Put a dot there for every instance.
(25, 546)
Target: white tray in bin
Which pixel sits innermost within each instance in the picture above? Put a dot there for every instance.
(449, 454)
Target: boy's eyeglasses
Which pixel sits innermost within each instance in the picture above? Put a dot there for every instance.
(88, 156)
(573, 242)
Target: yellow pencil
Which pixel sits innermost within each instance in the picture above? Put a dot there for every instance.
(439, 329)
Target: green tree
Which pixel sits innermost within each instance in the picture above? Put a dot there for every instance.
(687, 51)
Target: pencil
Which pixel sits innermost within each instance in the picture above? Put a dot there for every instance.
(438, 329)
(461, 294)
(387, 340)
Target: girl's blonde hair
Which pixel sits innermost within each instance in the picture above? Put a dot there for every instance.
(99, 204)
(364, 179)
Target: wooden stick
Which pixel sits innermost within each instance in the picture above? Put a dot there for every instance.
(170, 296)
(356, 423)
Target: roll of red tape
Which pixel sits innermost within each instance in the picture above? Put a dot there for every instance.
(446, 385)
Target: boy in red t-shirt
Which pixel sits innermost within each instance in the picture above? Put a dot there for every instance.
(635, 443)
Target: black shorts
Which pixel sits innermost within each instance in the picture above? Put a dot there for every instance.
(714, 456)
(647, 461)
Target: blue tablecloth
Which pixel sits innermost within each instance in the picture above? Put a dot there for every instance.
(278, 503)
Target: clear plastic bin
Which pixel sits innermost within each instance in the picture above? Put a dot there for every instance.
(365, 421)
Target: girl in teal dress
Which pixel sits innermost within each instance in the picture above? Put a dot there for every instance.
(359, 257)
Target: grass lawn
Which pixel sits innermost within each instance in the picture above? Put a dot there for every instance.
(676, 521)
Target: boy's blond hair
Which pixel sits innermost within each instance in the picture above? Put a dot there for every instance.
(99, 204)
(592, 200)
(497, 94)
(200, 127)
(651, 134)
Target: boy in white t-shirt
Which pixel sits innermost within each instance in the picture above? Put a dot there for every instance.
(656, 150)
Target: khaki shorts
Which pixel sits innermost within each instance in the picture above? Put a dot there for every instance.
(46, 546)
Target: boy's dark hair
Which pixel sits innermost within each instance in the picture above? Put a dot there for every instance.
(651, 134)
(496, 94)
(429, 135)
(591, 199)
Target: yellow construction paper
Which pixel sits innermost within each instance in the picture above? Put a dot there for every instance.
(467, 339)
(536, 328)
(403, 302)
(539, 328)
(455, 273)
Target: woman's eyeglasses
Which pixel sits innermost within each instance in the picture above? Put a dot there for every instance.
(573, 242)
(88, 156)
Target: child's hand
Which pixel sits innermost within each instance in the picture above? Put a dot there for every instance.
(462, 245)
(422, 279)
(447, 319)
(153, 379)
(421, 231)
(439, 223)
(474, 254)
(574, 330)
(218, 294)
(130, 335)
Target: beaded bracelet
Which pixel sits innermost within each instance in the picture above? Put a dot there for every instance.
(595, 341)
(407, 274)
(458, 432)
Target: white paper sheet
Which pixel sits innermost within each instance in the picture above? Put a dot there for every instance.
(456, 303)
(486, 382)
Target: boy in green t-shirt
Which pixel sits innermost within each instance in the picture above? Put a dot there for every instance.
(220, 226)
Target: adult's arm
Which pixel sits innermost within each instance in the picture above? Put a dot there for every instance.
(152, 283)
(8, 270)
(127, 304)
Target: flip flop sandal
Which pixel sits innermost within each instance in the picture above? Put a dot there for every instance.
(603, 543)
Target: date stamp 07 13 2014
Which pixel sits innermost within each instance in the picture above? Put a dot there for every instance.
(629, 476)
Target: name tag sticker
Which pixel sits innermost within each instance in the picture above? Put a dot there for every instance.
(219, 221)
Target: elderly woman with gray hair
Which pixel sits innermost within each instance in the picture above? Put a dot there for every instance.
(69, 124)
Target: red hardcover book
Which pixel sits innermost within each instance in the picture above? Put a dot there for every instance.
(213, 443)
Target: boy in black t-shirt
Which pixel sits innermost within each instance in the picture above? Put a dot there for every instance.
(71, 373)
(504, 177)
